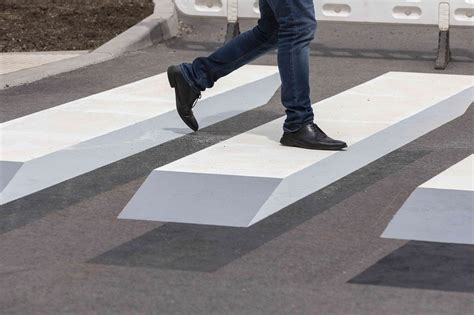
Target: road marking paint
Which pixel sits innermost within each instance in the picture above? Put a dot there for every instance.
(51, 146)
(245, 179)
(440, 210)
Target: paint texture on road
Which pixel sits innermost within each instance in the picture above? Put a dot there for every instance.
(375, 118)
(71, 139)
(440, 210)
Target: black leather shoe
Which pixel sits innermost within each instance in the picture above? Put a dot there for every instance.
(186, 97)
(312, 137)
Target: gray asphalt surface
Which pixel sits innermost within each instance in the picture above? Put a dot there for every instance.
(64, 251)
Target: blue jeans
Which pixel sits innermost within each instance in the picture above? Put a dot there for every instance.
(288, 25)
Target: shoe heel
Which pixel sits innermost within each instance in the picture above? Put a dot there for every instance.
(284, 141)
(171, 79)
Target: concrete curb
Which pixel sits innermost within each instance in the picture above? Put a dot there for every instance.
(160, 26)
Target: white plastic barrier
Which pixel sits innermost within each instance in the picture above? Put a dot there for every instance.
(461, 12)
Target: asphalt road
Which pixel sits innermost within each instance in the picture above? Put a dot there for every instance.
(64, 251)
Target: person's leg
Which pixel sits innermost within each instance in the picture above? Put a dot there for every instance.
(203, 72)
(297, 26)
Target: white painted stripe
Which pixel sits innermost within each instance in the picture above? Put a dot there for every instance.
(68, 140)
(457, 177)
(375, 118)
(59, 127)
(440, 210)
(352, 115)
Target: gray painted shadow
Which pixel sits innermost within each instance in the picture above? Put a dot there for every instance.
(179, 131)
(424, 265)
(204, 248)
(8, 170)
(209, 120)
(33, 207)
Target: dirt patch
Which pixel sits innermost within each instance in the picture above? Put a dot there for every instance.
(66, 24)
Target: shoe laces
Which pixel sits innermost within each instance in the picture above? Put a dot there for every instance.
(196, 100)
(319, 129)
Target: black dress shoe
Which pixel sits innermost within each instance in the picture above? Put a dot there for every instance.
(186, 97)
(312, 137)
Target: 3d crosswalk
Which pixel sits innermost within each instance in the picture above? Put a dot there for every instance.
(51, 146)
(440, 210)
(245, 179)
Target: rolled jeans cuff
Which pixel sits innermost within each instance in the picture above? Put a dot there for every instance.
(191, 83)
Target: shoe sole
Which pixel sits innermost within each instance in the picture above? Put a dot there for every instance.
(297, 144)
(173, 84)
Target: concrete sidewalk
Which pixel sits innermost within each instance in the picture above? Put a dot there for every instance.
(16, 61)
(160, 26)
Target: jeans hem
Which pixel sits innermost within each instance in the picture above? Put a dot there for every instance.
(188, 79)
(286, 129)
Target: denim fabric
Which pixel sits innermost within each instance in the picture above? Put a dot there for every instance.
(286, 25)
